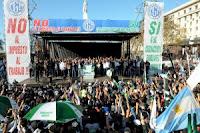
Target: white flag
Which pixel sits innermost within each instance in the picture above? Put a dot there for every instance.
(188, 61)
(194, 78)
(152, 122)
(85, 15)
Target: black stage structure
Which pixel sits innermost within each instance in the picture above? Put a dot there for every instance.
(88, 44)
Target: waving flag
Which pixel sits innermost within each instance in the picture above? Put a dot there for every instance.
(194, 78)
(152, 122)
(117, 84)
(175, 117)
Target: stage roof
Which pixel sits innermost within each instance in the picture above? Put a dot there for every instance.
(87, 36)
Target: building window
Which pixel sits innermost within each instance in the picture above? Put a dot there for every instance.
(190, 29)
(197, 14)
(190, 9)
(196, 7)
(184, 11)
(190, 16)
(197, 28)
(191, 23)
(185, 18)
(196, 21)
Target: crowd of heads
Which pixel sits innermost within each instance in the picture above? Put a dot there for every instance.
(108, 106)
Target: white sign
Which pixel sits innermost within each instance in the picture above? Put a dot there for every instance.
(17, 39)
(153, 35)
(88, 72)
(194, 78)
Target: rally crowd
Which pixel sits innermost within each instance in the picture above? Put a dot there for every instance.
(73, 67)
(109, 106)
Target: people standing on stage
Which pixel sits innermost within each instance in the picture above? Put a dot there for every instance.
(62, 68)
(37, 71)
(31, 70)
(68, 68)
(56, 68)
(73, 69)
(45, 68)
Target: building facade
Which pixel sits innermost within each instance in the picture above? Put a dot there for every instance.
(188, 17)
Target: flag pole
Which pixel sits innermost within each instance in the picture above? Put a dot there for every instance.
(194, 123)
(170, 58)
(145, 73)
(166, 86)
(189, 124)
(188, 62)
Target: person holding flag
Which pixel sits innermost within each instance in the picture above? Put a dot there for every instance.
(175, 117)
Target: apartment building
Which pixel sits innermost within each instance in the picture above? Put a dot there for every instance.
(188, 16)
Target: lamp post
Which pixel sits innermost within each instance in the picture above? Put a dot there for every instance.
(170, 58)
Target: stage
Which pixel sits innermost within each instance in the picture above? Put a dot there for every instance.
(61, 81)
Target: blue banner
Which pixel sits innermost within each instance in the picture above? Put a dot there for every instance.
(72, 25)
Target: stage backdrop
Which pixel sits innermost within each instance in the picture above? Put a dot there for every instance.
(153, 35)
(17, 39)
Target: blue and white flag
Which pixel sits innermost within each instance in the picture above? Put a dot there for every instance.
(175, 117)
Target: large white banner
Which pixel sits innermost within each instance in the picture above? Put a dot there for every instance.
(194, 78)
(17, 39)
(153, 35)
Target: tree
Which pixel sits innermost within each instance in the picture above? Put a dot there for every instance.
(173, 33)
(1, 44)
(138, 41)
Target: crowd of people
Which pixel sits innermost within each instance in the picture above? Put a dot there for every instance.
(73, 67)
(109, 106)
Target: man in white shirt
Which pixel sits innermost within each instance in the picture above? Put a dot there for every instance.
(62, 67)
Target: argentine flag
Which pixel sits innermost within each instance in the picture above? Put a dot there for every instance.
(175, 117)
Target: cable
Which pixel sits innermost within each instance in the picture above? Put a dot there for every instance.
(139, 10)
(33, 9)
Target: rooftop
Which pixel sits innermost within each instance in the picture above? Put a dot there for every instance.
(191, 2)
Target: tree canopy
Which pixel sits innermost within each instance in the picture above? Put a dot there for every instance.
(173, 33)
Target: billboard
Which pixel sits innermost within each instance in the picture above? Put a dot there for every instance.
(17, 39)
(153, 35)
(73, 25)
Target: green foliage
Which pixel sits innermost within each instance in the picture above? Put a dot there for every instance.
(173, 33)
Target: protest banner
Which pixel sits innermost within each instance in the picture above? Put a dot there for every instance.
(17, 39)
(153, 35)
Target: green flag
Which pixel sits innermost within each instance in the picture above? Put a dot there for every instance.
(194, 123)
(189, 124)
(117, 84)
